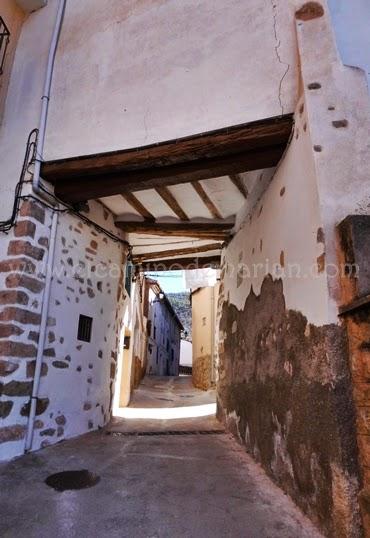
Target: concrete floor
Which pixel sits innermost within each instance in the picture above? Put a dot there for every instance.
(152, 486)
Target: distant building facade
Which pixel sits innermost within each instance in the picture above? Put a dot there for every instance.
(164, 334)
(204, 312)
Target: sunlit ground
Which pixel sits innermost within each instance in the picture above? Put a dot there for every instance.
(166, 413)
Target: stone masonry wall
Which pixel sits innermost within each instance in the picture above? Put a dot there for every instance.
(77, 382)
(23, 252)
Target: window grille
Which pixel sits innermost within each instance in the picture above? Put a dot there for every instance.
(4, 42)
(84, 328)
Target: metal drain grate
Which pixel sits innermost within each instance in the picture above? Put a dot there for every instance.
(67, 480)
(168, 432)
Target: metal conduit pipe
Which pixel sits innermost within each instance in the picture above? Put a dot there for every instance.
(40, 192)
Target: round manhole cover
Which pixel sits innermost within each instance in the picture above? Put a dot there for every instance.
(72, 480)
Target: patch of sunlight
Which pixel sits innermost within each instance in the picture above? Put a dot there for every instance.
(166, 413)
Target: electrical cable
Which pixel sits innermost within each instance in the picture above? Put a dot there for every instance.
(29, 159)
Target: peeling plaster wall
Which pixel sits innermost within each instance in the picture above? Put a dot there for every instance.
(284, 386)
(154, 70)
(77, 382)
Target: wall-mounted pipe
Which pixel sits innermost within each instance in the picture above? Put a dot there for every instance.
(42, 335)
(36, 182)
(36, 185)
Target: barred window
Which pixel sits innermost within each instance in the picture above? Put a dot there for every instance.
(4, 42)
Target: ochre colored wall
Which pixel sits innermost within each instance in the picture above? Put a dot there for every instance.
(204, 304)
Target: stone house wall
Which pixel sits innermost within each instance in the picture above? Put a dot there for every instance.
(77, 380)
(163, 340)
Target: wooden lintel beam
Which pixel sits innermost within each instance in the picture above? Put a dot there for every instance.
(141, 258)
(238, 182)
(172, 203)
(225, 141)
(98, 186)
(138, 206)
(216, 231)
(206, 200)
(86, 188)
(181, 264)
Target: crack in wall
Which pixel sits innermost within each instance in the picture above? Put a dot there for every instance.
(277, 52)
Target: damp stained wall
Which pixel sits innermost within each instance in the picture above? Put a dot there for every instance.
(154, 70)
(284, 387)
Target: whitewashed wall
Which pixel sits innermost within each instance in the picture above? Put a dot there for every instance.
(88, 280)
(159, 69)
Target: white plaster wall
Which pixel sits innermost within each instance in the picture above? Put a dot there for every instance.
(186, 353)
(342, 166)
(285, 219)
(13, 17)
(134, 72)
(23, 103)
(84, 283)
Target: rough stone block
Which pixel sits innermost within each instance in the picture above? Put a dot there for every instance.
(7, 330)
(12, 433)
(30, 369)
(354, 234)
(7, 368)
(41, 406)
(19, 280)
(17, 264)
(19, 247)
(17, 388)
(14, 297)
(5, 408)
(9, 348)
(25, 228)
(19, 314)
(34, 210)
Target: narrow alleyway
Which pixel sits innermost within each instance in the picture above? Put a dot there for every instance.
(150, 485)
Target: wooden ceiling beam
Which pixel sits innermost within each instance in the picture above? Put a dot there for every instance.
(172, 203)
(235, 139)
(182, 264)
(239, 184)
(215, 231)
(206, 200)
(141, 258)
(138, 206)
(92, 187)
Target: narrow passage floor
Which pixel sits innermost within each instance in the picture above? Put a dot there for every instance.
(153, 484)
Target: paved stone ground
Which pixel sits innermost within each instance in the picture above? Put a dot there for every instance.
(152, 486)
(171, 395)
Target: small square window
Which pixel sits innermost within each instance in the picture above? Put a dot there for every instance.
(84, 328)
